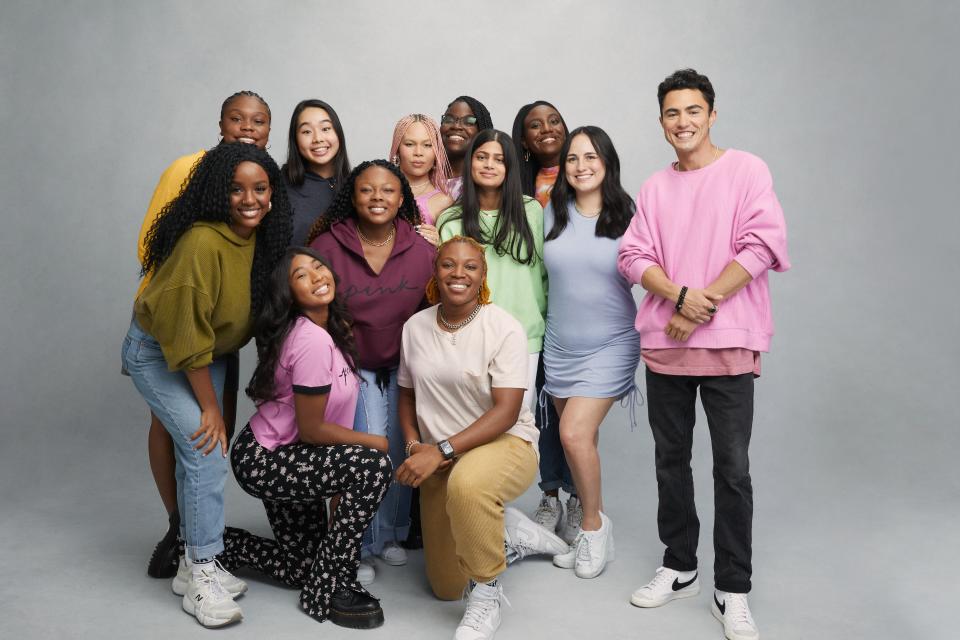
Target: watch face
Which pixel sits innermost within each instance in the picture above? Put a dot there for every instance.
(446, 449)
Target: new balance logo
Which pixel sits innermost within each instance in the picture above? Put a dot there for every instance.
(677, 585)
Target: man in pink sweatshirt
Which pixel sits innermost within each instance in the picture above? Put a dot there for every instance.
(708, 228)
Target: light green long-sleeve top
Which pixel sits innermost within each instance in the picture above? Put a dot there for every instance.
(519, 288)
(197, 305)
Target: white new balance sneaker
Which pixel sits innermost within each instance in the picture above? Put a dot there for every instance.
(234, 585)
(733, 611)
(570, 525)
(595, 549)
(549, 513)
(482, 618)
(208, 601)
(523, 537)
(667, 585)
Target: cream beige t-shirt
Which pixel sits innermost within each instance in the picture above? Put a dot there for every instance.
(452, 374)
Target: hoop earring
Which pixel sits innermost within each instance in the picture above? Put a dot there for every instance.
(526, 155)
(270, 206)
(395, 160)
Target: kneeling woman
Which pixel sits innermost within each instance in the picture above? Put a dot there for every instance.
(471, 442)
(299, 447)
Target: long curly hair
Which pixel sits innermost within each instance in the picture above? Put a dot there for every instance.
(433, 288)
(530, 166)
(206, 197)
(440, 171)
(272, 325)
(342, 206)
(618, 207)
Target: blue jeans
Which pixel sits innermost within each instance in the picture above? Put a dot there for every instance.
(200, 479)
(554, 470)
(377, 414)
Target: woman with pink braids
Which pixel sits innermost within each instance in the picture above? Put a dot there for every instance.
(418, 150)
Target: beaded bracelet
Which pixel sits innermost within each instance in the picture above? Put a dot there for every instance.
(683, 294)
(410, 446)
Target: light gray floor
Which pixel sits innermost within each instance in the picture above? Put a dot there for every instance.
(833, 559)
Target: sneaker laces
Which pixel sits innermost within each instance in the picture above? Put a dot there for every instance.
(582, 543)
(213, 586)
(662, 578)
(545, 512)
(478, 609)
(574, 512)
(737, 609)
(221, 570)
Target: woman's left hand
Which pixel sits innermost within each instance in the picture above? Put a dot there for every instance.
(429, 233)
(420, 466)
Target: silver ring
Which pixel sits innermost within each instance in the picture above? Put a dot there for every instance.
(712, 310)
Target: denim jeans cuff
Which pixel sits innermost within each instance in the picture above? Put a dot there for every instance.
(206, 551)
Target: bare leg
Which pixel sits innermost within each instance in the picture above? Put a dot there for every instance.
(580, 420)
(162, 463)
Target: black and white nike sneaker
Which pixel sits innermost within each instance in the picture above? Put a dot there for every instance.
(732, 610)
(667, 585)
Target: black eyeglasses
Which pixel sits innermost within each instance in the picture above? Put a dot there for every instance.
(467, 121)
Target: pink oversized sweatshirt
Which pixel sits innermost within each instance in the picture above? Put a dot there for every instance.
(692, 224)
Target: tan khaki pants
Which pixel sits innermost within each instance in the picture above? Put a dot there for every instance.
(461, 512)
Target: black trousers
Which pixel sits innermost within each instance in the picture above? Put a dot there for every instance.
(293, 481)
(728, 404)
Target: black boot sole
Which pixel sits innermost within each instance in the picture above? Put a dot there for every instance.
(365, 620)
(165, 559)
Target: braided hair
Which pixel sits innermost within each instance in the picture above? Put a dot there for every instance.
(206, 197)
(342, 206)
(241, 94)
(272, 325)
(530, 166)
(484, 121)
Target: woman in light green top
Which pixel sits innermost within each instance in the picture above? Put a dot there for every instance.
(493, 211)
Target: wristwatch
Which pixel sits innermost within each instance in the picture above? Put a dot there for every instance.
(446, 449)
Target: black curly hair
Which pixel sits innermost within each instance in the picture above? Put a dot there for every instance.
(272, 325)
(342, 206)
(205, 196)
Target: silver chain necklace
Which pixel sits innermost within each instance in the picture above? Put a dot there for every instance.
(453, 326)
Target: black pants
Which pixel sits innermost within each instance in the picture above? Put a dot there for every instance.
(728, 404)
(293, 481)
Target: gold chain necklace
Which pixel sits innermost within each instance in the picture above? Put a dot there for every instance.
(372, 243)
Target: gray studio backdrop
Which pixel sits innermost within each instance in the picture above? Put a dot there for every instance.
(852, 104)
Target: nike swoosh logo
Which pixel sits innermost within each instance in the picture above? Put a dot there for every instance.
(677, 585)
(720, 605)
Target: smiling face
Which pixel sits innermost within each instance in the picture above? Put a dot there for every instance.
(487, 167)
(311, 283)
(543, 134)
(686, 120)
(377, 196)
(583, 166)
(459, 271)
(417, 155)
(455, 131)
(250, 195)
(246, 119)
(317, 140)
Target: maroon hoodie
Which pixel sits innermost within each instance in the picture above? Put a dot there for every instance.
(379, 304)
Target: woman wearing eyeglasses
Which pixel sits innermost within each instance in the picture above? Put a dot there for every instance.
(464, 118)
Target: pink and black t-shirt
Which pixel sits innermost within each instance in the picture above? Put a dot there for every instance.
(310, 363)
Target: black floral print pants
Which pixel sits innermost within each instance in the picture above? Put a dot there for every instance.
(292, 481)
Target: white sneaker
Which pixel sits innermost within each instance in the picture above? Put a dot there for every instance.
(523, 537)
(365, 572)
(482, 618)
(568, 560)
(549, 512)
(733, 611)
(394, 555)
(595, 549)
(208, 601)
(570, 525)
(234, 585)
(667, 585)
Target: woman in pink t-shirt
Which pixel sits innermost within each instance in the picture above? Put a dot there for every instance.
(300, 447)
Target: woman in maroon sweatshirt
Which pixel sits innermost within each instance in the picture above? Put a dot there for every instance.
(369, 237)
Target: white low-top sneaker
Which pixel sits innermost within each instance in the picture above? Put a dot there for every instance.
(595, 549)
(523, 537)
(208, 601)
(549, 513)
(366, 573)
(568, 560)
(570, 525)
(234, 585)
(394, 555)
(733, 611)
(482, 618)
(667, 585)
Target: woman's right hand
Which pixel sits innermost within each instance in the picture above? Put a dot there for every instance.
(212, 430)
(697, 304)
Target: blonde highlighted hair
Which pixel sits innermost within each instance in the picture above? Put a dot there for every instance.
(433, 289)
(440, 172)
